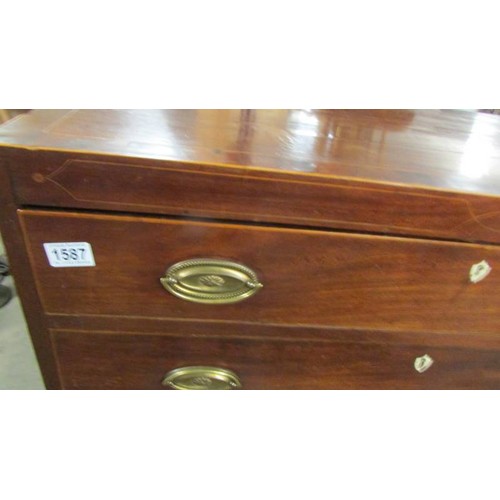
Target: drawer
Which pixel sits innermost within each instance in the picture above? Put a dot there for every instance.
(104, 360)
(316, 278)
(285, 195)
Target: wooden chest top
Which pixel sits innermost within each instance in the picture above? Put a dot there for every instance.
(445, 150)
(425, 173)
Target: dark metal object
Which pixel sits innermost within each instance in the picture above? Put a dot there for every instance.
(5, 295)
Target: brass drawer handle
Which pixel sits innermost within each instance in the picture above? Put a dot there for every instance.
(201, 378)
(211, 281)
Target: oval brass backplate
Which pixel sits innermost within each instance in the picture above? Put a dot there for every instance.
(211, 281)
(201, 378)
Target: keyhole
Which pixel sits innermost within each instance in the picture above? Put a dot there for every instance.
(423, 363)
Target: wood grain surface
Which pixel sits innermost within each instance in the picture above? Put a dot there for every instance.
(310, 277)
(53, 179)
(19, 265)
(362, 226)
(456, 150)
(423, 173)
(105, 360)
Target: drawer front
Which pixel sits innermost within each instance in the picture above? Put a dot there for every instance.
(73, 180)
(106, 360)
(310, 277)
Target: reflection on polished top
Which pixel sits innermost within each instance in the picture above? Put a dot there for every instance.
(450, 150)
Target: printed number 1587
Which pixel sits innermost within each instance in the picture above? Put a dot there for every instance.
(69, 253)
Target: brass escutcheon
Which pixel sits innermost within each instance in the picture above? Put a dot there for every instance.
(479, 271)
(423, 363)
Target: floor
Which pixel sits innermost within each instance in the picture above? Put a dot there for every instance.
(18, 366)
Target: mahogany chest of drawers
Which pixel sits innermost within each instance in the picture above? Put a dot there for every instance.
(257, 249)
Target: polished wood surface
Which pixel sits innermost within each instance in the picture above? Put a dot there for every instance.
(192, 328)
(362, 225)
(104, 360)
(310, 277)
(448, 150)
(150, 186)
(19, 266)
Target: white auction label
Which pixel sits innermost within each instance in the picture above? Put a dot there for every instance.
(69, 254)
